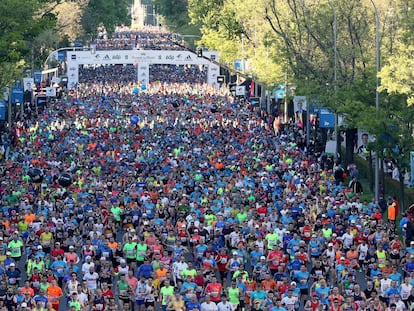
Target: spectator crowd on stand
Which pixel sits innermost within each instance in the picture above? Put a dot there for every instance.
(181, 197)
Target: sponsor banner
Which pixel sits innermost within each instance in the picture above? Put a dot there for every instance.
(240, 90)
(37, 76)
(327, 120)
(17, 95)
(50, 92)
(238, 64)
(139, 57)
(212, 74)
(28, 84)
(55, 80)
(143, 73)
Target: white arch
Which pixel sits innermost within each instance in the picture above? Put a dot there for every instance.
(142, 58)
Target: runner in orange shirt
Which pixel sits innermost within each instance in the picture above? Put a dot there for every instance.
(29, 217)
(54, 292)
(268, 284)
(27, 289)
(250, 287)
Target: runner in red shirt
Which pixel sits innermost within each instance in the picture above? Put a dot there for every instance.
(214, 289)
(221, 259)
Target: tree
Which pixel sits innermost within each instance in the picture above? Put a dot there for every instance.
(390, 127)
(107, 13)
(68, 15)
(397, 76)
(175, 16)
(21, 22)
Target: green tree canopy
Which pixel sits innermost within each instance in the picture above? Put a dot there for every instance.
(108, 13)
(397, 76)
(21, 22)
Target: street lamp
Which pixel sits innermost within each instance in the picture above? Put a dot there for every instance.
(377, 69)
(334, 26)
(9, 106)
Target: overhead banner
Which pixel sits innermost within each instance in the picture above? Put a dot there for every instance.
(138, 57)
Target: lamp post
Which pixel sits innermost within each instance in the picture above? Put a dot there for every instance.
(285, 106)
(377, 69)
(334, 26)
(9, 107)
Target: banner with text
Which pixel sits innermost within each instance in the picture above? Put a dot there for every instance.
(138, 57)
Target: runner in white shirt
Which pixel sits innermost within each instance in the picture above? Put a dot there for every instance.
(348, 239)
(289, 301)
(224, 305)
(208, 305)
(91, 278)
(362, 253)
(177, 268)
(405, 289)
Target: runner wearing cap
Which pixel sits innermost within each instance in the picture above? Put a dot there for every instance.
(261, 269)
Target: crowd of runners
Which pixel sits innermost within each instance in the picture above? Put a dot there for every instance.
(181, 197)
(128, 74)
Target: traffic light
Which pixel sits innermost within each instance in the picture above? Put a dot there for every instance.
(199, 52)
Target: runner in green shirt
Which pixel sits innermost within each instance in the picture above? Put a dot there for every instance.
(209, 217)
(234, 295)
(141, 252)
(271, 238)
(75, 303)
(116, 211)
(166, 292)
(130, 251)
(15, 246)
(189, 271)
(242, 216)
